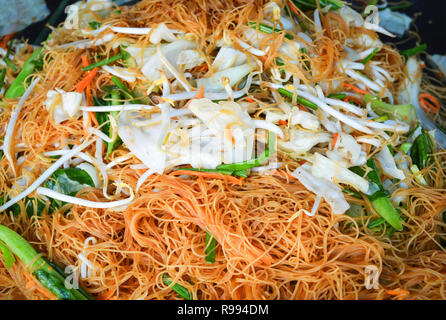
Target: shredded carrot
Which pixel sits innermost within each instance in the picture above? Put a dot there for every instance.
(335, 140)
(401, 293)
(355, 88)
(88, 98)
(204, 67)
(352, 98)
(6, 39)
(429, 103)
(108, 294)
(229, 133)
(85, 62)
(283, 122)
(301, 107)
(292, 7)
(250, 100)
(200, 94)
(212, 175)
(33, 282)
(80, 87)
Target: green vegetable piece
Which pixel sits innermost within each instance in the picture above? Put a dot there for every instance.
(8, 257)
(386, 210)
(370, 56)
(295, 17)
(34, 206)
(43, 271)
(245, 165)
(413, 51)
(95, 25)
(380, 198)
(382, 118)
(2, 78)
(403, 112)
(54, 284)
(128, 95)
(418, 175)
(210, 248)
(6, 59)
(11, 65)
(339, 96)
(422, 150)
(376, 223)
(182, 291)
(354, 194)
(311, 4)
(124, 55)
(227, 172)
(302, 101)
(69, 181)
(267, 29)
(405, 147)
(17, 88)
(104, 121)
(20, 247)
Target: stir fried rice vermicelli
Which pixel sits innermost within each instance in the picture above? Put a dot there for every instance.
(219, 150)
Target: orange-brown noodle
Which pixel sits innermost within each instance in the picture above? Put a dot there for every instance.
(267, 246)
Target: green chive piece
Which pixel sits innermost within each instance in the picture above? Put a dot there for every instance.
(300, 100)
(182, 291)
(210, 248)
(267, 29)
(405, 147)
(413, 51)
(370, 56)
(8, 257)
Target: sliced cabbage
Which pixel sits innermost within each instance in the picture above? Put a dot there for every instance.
(120, 72)
(162, 32)
(189, 59)
(230, 124)
(328, 190)
(292, 51)
(153, 67)
(143, 141)
(297, 117)
(193, 146)
(306, 119)
(92, 172)
(301, 141)
(271, 12)
(388, 164)
(141, 55)
(64, 105)
(228, 57)
(334, 171)
(234, 74)
(351, 17)
(347, 151)
(77, 18)
(364, 40)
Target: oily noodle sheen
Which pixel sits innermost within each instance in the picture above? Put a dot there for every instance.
(267, 246)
